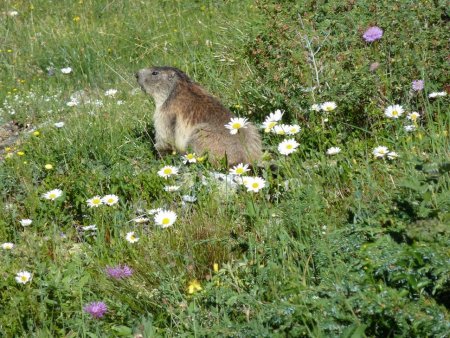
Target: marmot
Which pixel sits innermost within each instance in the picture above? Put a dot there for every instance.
(188, 118)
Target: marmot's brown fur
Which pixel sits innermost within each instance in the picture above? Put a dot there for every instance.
(187, 117)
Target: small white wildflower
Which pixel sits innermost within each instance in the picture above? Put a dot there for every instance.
(23, 277)
(52, 194)
(328, 106)
(189, 158)
(293, 129)
(171, 188)
(167, 171)
(7, 246)
(12, 13)
(288, 146)
(394, 112)
(189, 198)
(380, 151)
(110, 199)
(131, 237)
(154, 211)
(437, 94)
(66, 70)
(235, 124)
(410, 128)
(414, 116)
(140, 220)
(120, 102)
(280, 129)
(72, 103)
(25, 222)
(165, 218)
(92, 227)
(333, 151)
(392, 155)
(111, 92)
(315, 107)
(59, 124)
(276, 116)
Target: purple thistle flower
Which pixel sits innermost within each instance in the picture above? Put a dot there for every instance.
(417, 85)
(119, 272)
(96, 309)
(372, 34)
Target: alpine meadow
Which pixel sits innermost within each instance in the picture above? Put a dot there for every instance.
(341, 229)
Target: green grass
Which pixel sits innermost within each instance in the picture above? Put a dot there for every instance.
(335, 246)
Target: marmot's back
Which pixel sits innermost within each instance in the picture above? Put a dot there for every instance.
(188, 117)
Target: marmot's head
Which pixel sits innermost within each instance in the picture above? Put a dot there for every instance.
(160, 81)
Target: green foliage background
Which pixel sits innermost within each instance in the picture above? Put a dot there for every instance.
(343, 246)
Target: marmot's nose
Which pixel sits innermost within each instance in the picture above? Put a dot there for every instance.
(137, 75)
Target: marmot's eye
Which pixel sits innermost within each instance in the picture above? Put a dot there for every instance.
(154, 72)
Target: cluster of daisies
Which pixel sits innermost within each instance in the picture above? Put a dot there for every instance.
(96, 201)
(396, 111)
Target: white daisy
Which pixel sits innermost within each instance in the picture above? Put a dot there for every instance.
(280, 129)
(288, 146)
(7, 246)
(414, 116)
(189, 158)
(94, 201)
(333, 151)
(23, 277)
(276, 116)
(111, 92)
(315, 107)
(239, 169)
(12, 13)
(268, 125)
(394, 112)
(52, 194)
(437, 94)
(131, 237)
(293, 129)
(328, 106)
(171, 188)
(25, 222)
(59, 124)
(392, 155)
(110, 199)
(167, 171)
(165, 218)
(254, 184)
(235, 124)
(380, 151)
(66, 70)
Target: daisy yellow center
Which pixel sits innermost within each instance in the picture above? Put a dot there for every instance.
(98, 201)
(167, 171)
(132, 237)
(271, 124)
(52, 195)
(165, 221)
(239, 170)
(289, 146)
(23, 278)
(110, 200)
(190, 156)
(255, 185)
(236, 125)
